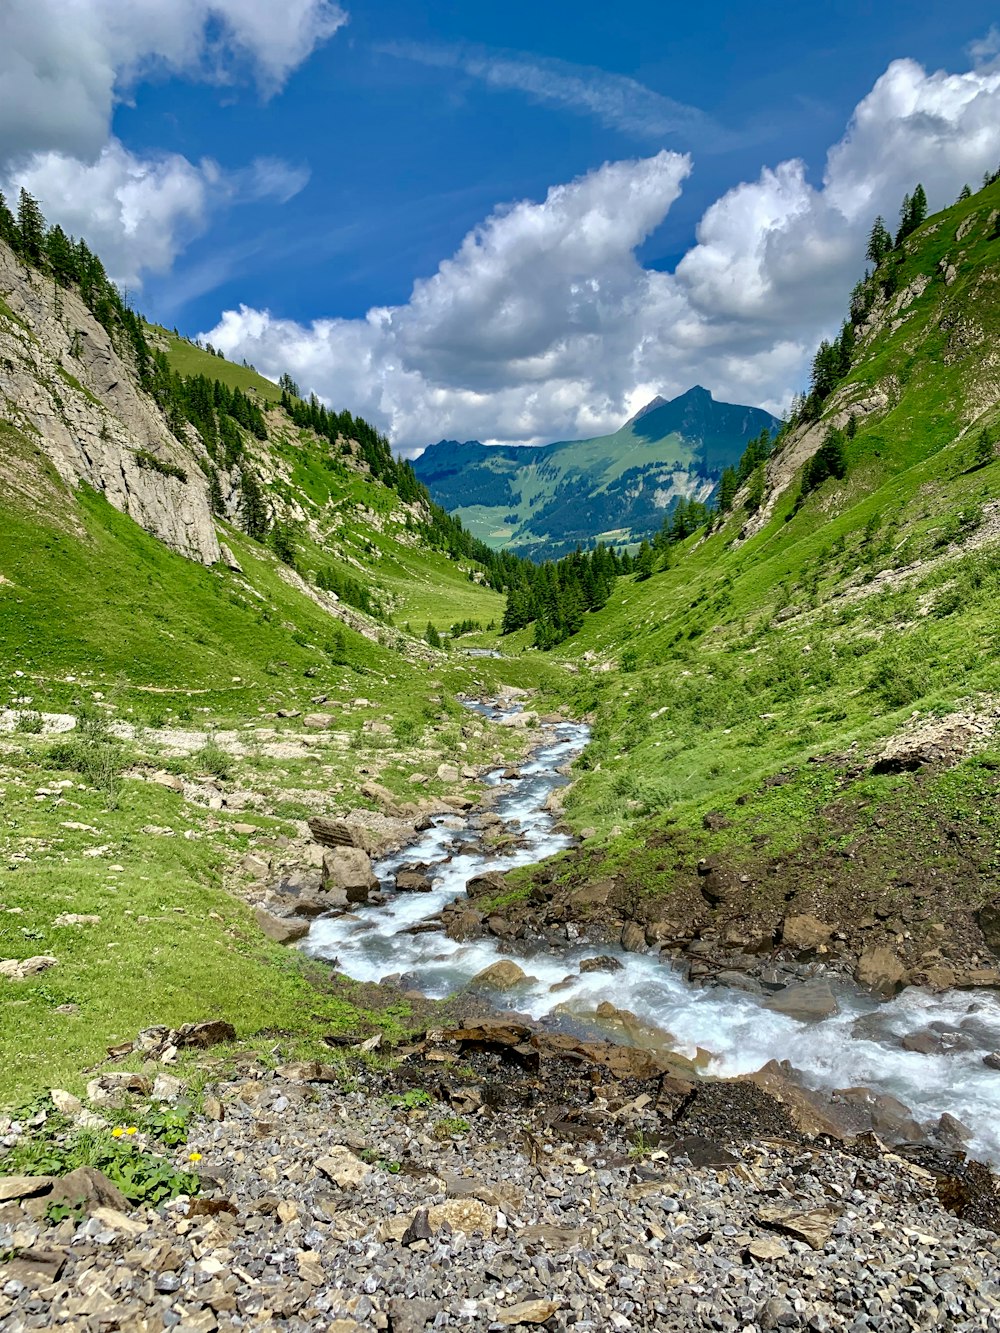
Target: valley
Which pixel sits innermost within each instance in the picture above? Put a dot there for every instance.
(730, 836)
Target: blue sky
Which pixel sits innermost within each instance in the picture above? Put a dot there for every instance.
(302, 165)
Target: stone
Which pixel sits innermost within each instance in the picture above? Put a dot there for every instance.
(172, 781)
(35, 1266)
(228, 559)
(766, 1250)
(447, 773)
(633, 938)
(529, 1312)
(65, 1103)
(408, 881)
(350, 869)
(337, 832)
(76, 919)
(808, 1002)
(602, 963)
(209, 1032)
(23, 1187)
(411, 1314)
(880, 970)
(89, 1187)
(886, 1115)
(814, 1226)
(466, 1215)
(342, 1167)
(281, 929)
(805, 932)
(114, 1089)
(492, 881)
(19, 969)
(167, 1088)
(500, 976)
(318, 721)
(464, 925)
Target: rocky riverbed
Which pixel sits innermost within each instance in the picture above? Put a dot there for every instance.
(469, 1191)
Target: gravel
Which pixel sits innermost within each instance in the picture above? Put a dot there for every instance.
(332, 1208)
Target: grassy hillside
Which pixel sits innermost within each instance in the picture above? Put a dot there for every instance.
(756, 676)
(188, 359)
(615, 488)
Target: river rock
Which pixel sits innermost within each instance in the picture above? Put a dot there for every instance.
(447, 773)
(808, 1002)
(805, 932)
(504, 975)
(464, 925)
(633, 939)
(492, 881)
(281, 929)
(349, 869)
(886, 1115)
(602, 963)
(880, 970)
(410, 881)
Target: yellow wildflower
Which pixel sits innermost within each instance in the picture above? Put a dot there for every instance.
(117, 1132)
(131, 1130)
(194, 1157)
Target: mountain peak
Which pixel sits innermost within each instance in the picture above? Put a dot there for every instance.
(697, 393)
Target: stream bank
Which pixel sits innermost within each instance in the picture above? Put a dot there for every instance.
(921, 1066)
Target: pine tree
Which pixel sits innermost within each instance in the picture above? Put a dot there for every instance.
(253, 506)
(879, 242)
(963, 194)
(431, 636)
(727, 489)
(31, 228)
(985, 452)
(644, 562)
(8, 227)
(755, 493)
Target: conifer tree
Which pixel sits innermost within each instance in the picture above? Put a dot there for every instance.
(8, 227)
(727, 489)
(644, 562)
(963, 194)
(31, 228)
(879, 242)
(985, 451)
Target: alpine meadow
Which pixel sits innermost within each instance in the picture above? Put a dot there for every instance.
(549, 877)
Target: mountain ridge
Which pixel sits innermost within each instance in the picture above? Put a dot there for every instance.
(543, 500)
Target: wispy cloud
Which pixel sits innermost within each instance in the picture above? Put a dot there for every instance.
(984, 50)
(618, 102)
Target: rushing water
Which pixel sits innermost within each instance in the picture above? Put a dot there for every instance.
(856, 1047)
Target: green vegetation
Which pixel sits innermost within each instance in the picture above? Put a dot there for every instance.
(529, 500)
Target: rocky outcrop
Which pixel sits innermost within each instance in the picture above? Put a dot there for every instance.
(65, 385)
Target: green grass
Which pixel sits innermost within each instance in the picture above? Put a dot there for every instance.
(187, 359)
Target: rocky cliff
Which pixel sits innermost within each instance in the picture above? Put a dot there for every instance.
(65, 386)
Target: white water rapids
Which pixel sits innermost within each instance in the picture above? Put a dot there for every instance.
(858, 1047)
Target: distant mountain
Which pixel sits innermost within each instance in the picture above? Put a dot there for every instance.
(543, 500)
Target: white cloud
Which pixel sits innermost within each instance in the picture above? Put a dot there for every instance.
(545, 325)
(618, 102)
(64, 63)
(137, 213)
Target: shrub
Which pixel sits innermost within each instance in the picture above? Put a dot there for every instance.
(93, 751)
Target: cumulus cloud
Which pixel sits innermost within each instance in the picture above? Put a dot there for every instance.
(64, 65)
(618, 102)
(544, 324)
(138, 212)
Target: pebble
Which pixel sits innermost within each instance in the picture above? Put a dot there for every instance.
(565, 1235)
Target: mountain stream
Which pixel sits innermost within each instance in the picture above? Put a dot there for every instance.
(857, 1047)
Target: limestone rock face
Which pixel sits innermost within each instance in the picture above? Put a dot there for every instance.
(63, 383)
